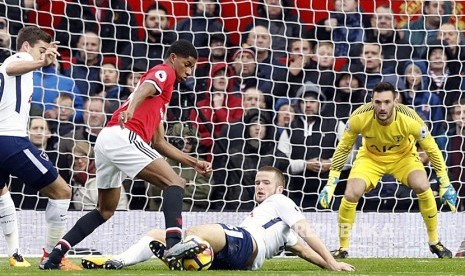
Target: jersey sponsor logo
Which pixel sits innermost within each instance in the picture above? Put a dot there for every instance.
(385, 148)
(369, 137)
(161, 76)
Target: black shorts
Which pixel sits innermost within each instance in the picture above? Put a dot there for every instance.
(19, 157)
(238, 249)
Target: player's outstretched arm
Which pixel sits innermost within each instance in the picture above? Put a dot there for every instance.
(317, 247)
(162, 146)
(17, 68)
(305, 252)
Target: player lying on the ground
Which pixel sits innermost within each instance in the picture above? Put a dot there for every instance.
(275, 224)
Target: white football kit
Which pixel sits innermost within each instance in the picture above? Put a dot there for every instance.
(15, 98)
(270, 225)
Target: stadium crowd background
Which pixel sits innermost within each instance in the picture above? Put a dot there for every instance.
(275, 83)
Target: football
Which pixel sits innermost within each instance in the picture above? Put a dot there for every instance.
(202, 261)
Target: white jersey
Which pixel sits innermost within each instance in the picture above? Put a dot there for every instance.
(15, 98)
(270, 225)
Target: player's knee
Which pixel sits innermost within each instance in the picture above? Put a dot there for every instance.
(193, 230)
(106, 213)
(352, 196)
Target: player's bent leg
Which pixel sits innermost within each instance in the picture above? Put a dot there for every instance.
(212, 233)
(160, 173)
(355, 189)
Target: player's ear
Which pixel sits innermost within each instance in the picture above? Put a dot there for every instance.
(280, 189)
(26, 46)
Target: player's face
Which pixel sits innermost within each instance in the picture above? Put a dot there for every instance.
(266, 186)
(38, 49)
(458, 116)
(383, 104)
(184, 67)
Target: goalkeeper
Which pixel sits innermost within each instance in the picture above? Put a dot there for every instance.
(390, 132)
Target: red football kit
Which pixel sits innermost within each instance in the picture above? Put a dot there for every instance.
(148, 115)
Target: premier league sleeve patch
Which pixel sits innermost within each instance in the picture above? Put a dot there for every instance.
(423, 132)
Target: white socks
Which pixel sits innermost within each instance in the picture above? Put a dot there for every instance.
(137, 253)
(56, 218)
(9, 223)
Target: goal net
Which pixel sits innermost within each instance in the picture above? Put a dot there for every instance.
(274, 85)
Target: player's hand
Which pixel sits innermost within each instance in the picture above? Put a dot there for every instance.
(448, 196)
(123, 117)
(345, 267)
(50, 54)
(327, 193)
(203, 167)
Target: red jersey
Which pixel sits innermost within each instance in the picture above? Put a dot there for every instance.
(148, 115)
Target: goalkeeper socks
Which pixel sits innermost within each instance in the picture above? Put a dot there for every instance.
(9, 223)
(56, 218)
(429, 211)
(346, 219)
(137, 253)
(83, 228)
(172, 209)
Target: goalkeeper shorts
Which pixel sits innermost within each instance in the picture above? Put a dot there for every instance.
(371, 171)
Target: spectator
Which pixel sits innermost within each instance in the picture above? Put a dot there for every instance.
(282, 24)
(25, 197)
(151, 48)
(85, 192)
(349, 95)
(5, 40)
(94, 121)
(220, 107)
(61, 115)
(85, 66)
(289, 81)
(395, 50)
(284, 114)
(416, 95)
(112, 91)
(455, 158)
(441, 82)
(202, 22)
(218, 47)
(423, 31)
(184, 137)
(247, 73)
(253, 98)
(259, 37)
(370, 68)
(309, 144)
(17, 13)
(48, 84)
(257, 148)
(112, 20)
(449, 35)
(344, 27)
(322, 68)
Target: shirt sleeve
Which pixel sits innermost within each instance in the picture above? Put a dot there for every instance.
(421, 133)
(160, 79)
(345, 145)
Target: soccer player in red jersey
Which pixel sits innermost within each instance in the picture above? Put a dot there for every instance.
(122, 148)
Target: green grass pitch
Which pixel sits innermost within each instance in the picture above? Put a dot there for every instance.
(278, 266)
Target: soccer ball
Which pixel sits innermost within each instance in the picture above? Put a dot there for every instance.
(201, 261)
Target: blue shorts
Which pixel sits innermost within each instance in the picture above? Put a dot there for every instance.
(19, 157)
(238, 249)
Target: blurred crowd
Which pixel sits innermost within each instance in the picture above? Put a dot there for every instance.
(280, 96)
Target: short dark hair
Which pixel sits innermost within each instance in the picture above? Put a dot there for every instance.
(31, 34)
(385, 86)
(281, 179)
(182, 48)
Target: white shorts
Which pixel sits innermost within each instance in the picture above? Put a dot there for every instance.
(120, 152)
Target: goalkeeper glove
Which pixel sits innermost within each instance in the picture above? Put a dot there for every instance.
(327, 193)
(448, 196)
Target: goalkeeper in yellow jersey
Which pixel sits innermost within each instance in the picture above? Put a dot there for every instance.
(390, 132)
